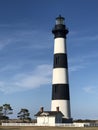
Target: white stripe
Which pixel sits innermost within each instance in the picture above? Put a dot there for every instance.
(64, 107)
(59, 45)
(60, 75)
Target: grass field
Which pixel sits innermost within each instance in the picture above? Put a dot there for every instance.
(46, 128)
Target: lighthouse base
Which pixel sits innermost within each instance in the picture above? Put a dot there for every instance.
(65, 120)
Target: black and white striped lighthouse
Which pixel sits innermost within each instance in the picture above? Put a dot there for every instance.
(60, 83)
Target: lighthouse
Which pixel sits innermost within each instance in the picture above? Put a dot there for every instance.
(60, 83)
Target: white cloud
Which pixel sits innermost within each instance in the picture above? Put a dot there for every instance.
(82, 62)
(76, 68)
(77, 64)
(83, 35)
(9, 67)
(40, 76)
(21, 34)
(4, 43)
(89, 38)
(22, 39)
(89, 89)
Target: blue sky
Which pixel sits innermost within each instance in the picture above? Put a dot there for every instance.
(26, 54)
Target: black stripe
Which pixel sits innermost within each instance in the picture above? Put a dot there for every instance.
(60, 31)
(60, 61)
(60, 91)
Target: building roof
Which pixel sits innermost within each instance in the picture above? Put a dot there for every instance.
(48, 113)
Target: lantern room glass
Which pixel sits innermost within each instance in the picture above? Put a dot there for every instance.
(60, 20)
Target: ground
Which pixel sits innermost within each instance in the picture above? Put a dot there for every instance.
(47, 128)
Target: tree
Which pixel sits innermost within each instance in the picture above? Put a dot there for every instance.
(1, 114)
(24, 114)
(6, 110)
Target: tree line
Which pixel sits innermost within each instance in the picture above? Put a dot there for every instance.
(6, 110)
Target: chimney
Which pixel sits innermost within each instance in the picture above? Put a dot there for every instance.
(41, 109)
(57, 109)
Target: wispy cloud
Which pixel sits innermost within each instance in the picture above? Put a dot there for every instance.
(21, 41)
(76, 68)
(83, 39)
(90, 89)
(88, 38)
(82, 62)
(9, 67)
(5, 25)
(40, 76)
(77, 64)
(4, 43)
(26, 38)
(14, 25)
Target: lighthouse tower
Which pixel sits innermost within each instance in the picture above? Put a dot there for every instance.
(60, 84)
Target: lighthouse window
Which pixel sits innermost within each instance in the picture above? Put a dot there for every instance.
(55, 89)
(57, 60)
